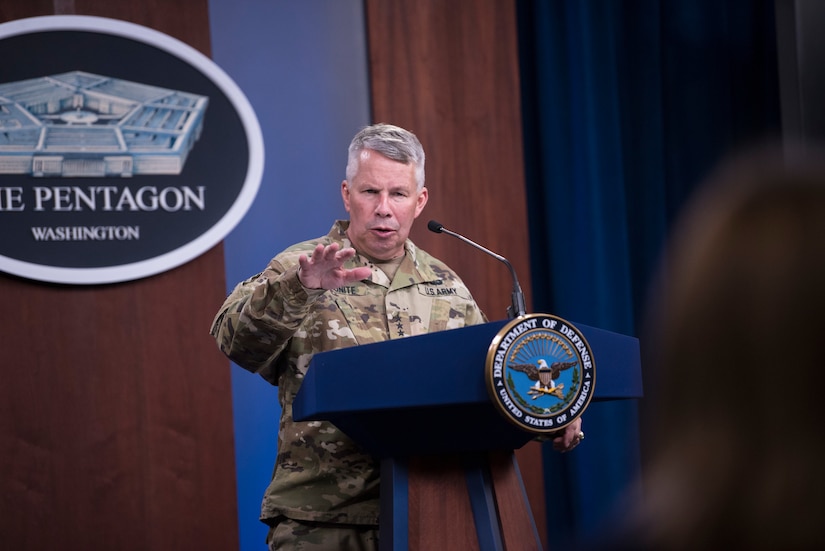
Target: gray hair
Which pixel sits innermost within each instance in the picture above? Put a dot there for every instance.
(390, 141)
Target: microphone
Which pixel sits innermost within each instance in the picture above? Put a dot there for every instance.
(517, 308)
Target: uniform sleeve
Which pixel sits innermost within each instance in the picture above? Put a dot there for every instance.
(475, 316)
(260, 316)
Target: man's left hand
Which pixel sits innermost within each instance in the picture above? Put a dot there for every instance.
(570, 437)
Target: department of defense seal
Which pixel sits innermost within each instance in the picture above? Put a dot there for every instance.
(540, 373)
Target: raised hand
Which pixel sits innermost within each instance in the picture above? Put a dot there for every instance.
(324, 269)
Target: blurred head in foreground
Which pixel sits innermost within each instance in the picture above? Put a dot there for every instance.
(735, 370)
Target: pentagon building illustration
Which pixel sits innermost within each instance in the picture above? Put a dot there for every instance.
(80, 124)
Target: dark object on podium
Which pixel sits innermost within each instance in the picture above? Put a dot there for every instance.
(421, 405)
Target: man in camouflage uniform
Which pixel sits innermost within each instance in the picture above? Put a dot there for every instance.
(364, 282)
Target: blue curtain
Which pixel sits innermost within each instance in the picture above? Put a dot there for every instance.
(626, 105)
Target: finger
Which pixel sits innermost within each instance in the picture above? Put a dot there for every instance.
(565, 447)
(345, 254)
(326, 254)
(304, 263)
(569, 438)
(559, 443)
(357, 274)
(319, 251)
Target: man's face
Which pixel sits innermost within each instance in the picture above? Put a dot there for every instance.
(382, 203)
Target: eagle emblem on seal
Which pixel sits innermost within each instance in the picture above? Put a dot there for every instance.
(545, 377)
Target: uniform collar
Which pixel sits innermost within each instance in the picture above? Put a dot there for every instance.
(411, 270)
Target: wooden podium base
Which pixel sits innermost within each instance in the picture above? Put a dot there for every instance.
(473, 502)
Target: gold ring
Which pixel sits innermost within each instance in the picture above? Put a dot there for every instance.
(581, 435)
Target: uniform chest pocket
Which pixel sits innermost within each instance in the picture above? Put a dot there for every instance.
(364, 316)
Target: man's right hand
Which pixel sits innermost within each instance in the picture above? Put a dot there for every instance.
(324, 269)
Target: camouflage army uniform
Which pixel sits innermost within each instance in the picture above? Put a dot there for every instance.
(272, 325)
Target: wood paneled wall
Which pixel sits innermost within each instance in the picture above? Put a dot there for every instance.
(115, 405)
(115, 409)
(448, 71)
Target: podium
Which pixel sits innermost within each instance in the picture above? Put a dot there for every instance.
(449, 479)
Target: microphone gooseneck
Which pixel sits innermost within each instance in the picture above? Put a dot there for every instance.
(517, 308)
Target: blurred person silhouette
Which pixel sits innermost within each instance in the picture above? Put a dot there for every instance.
(734, 361)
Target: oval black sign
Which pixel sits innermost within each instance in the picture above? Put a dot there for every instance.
(123, 151)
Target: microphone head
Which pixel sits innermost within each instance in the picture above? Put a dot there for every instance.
(434, 226)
